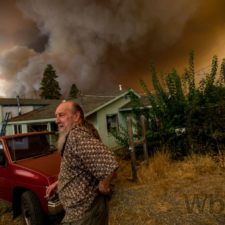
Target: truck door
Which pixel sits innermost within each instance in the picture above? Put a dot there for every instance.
(5, 177)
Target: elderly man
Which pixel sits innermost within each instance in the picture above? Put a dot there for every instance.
(87, 167)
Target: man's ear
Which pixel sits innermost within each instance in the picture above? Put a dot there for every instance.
(76, 117)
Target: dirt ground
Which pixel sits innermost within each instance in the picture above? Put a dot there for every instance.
(191, 192)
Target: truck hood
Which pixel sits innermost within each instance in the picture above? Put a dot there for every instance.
(48, 164)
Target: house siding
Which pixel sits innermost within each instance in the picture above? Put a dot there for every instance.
(113, 108)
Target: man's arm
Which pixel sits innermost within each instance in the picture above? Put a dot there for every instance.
(104, 185)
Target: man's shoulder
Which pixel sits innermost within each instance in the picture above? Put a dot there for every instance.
(79, 131)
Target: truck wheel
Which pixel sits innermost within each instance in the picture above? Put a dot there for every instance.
(31, 209)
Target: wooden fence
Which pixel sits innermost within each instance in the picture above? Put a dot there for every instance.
(134, 143)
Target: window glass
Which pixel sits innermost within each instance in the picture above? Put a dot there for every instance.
(18, 129)
(31, 146)
(112, 123)
(37, 127)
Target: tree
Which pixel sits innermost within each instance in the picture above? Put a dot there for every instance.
(185, 121)
(222, 71)
(49, 85)
(74, 91)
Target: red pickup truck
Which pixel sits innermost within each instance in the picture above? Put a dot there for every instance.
(28, 164)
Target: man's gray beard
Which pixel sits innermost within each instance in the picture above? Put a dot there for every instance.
(61, 141)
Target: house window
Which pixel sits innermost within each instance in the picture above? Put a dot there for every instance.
(112, 123)
(37, 127)
(18, 129)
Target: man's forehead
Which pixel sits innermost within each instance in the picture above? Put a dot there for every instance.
(65, 106)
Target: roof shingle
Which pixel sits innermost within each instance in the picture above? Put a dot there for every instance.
(88, 103)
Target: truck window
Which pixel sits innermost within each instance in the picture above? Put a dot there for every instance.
(31, 146)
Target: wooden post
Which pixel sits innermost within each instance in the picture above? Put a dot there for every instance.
(132, 149)
(145, 148)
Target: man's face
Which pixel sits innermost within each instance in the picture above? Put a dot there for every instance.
(65, 118)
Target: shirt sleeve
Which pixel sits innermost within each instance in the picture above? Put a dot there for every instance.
(96, 157)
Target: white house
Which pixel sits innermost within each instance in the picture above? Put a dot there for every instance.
(13, 107)
(103, 111)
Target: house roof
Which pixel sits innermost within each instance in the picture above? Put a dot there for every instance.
(44, 112)
(144, 101)
(25, 102)
(89, 103)
(121, 94)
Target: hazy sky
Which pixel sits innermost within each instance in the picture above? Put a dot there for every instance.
(101, 44)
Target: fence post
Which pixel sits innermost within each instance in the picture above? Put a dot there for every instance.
(145, 148)
(132, 149)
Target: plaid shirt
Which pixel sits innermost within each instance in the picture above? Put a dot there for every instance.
(85, 161)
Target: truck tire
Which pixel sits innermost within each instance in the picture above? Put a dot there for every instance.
(31, 209)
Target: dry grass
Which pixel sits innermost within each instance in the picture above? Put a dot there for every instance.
(158, 168)
(164, 193)
(161, 167)
(6, 216)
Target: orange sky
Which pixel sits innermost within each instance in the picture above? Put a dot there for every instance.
(204, 33)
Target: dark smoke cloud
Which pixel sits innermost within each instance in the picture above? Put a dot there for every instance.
(14, 28)
(92, 43)
(39, 43)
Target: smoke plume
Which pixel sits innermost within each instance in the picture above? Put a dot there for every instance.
(90, 43)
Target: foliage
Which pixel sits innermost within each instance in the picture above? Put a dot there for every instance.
(222, 72)
(74, 91)
(121, 136)
(185, 117)
(49, 85)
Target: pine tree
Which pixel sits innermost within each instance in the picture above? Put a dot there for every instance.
(49, 85)
(74, 91)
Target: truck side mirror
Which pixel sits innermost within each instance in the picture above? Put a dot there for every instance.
(2, 158)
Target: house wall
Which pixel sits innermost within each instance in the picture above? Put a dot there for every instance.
(10, 126)
(113, 108)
